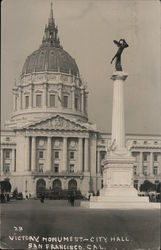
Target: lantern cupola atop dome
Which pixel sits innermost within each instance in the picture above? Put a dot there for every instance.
(50, 37)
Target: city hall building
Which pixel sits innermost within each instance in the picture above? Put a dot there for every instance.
(49, 143)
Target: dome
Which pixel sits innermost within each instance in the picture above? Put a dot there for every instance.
(50, 58)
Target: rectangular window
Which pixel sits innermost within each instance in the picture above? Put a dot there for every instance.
(155, 170)
(26, 102)
(135, 170)
(65, 101)
(52, 100)
(56, 154)
(145, 171)
(41, 154)
(7, 154)
(6, 168)
(71, 155)
(76, 103)
(71, 168)
(38, 100)
(56, 168)
(155, 157)
(41, 166)
(145, 157)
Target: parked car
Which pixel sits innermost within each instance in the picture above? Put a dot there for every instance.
(19, 196)
(60, 194)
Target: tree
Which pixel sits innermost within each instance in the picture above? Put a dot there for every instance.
(159, 187)
(147, 186)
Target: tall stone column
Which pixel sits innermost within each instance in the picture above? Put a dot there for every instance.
(33, 158)
(98, 162)
(65, 155)
(60, 97)
(140, 170)
(27, 153)
(80, 155)
(20, 99)
(13, 160)
(118, 120)
(82, 96)
(86, 152)
(44, 95)
(48, 165)
(151, 164)
(86, 102)
(14, 101)
(1, 167)
(73, 98)
(31, 97)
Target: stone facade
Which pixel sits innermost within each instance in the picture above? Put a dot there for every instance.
(30, 155)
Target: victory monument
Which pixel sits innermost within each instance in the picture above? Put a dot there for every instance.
(118, 190)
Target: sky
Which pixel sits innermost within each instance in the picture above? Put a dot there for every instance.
(87, 29)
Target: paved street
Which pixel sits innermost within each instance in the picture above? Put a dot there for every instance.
(101, 229)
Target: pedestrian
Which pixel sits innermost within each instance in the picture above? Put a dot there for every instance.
(42, 198)
(72, 199)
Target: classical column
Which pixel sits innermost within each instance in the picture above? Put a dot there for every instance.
(44, 95)
(60, 97)
(86, 102)
(73, 99)
(33, 159)
(20, 98)
(13, 160)
(14, 101)
(159, 166)
(48, 165)
(98, 162)
(1, 167)
(140, 165)
(151, 164)
(86, 152)
(82, 96)
(27, 153)
(65, 154)
(118, 123)
(80, 155)
(31, 97)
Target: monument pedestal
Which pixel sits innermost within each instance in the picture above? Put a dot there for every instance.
(118, 190)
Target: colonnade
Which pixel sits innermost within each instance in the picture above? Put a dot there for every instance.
(83, 153)
(19, 102)
(140, 163)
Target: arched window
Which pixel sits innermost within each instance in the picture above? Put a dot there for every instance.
(72, 185)
(40, 186)
(57, 185)
(5, 186)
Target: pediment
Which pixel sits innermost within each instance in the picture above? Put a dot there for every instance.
(58, 123)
